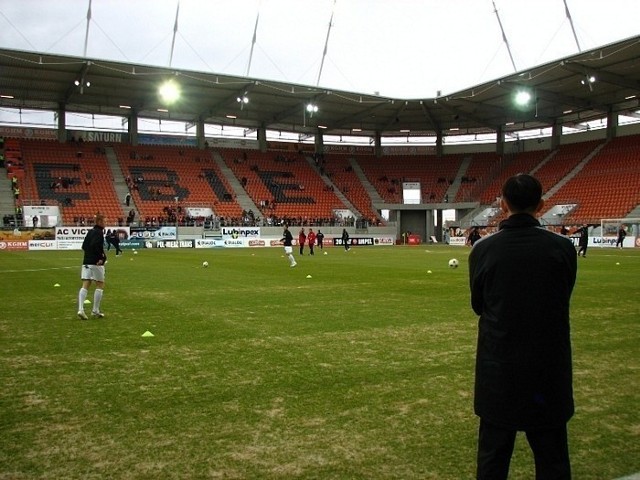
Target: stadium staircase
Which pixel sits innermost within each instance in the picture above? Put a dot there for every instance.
(243, 199)
(521, 163)
(369, 188)
(119, 183)
(336, 190)
(454, 188)
(6, 194)
(576, 170)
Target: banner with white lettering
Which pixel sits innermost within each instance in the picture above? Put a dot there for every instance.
(155, 233)
(196, 212)
(43, 245)
(209, 243)
(14, 245)
(93, 136)
(169, 244)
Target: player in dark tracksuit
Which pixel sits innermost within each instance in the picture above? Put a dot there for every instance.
(583, 241)
(345, 239)
(93, 269)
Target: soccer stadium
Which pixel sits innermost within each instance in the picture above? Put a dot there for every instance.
(215, 357)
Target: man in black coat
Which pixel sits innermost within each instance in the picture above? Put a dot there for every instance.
(521, 281)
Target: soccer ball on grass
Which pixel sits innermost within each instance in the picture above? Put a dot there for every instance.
(205, 264)
(453, 263)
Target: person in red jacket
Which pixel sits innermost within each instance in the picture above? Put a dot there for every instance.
(311, 240)
(302, 237)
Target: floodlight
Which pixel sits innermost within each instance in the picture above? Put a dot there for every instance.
(311, 108)
(169, 91)
(522, 97)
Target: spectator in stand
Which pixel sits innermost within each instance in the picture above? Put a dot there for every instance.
(311, 240)
(302, 237)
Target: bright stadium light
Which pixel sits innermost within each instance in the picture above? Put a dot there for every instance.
(522, 97)
(169, 92)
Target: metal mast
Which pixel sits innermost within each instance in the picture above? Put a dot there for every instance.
(253, 41)
(568, 13)
(175, 30)
(326, 42)
(504, 36)
(86, 34)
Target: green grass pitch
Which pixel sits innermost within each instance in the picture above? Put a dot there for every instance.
(363, 371)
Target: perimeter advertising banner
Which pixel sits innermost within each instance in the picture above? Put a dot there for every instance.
(209, 243)
(14, 245)
(359, 241)
(169, 244)
(42, 133)
(240, 232)
(154, 233)
(71, 238)
(43, 245)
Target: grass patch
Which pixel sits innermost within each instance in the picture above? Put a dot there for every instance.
(363, 371)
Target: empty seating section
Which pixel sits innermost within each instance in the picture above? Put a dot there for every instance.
(171, 175)
(563, 162)
(387, 174)
(339, 170)
(607, 186)
(76, 176)
(479, 171)
(282, 183)
(521, 163)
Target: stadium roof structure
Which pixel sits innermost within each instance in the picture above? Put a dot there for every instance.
(566, 92)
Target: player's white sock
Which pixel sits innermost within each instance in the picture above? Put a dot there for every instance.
(82, 296)
(97, 298)
(291, 259)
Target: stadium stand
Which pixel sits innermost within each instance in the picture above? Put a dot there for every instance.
(519, 163)
(607, 185)
(282, 184)
(599, 178)
(387, 174)
(339, 170)
(76, 176)
(162, 176)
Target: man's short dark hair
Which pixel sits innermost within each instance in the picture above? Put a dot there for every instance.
(522, 192)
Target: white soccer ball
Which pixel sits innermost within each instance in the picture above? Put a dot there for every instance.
(135, 252)
(453, 263)
(205, 264)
